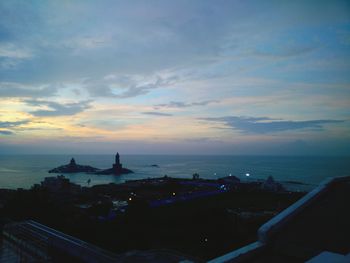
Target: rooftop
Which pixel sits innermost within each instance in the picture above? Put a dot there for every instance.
(317, 223)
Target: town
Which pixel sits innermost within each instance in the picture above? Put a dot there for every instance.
(200, 218)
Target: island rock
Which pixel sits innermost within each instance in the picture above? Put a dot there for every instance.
(72, 167)
(117, 168)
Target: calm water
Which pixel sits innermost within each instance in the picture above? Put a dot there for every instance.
(24, 171)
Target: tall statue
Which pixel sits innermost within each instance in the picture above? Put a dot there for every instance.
(72, 162)
(117, 168)
(117, 159)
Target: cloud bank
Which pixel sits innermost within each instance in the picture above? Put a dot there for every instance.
(12, 89)
(265, 125)
(181, 104)
(11, 124)
(6, 132)
(57, 109)
(155, 113)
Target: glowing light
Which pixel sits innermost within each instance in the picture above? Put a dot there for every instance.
(230, 175)
(206, 239)
(130, 198)
(247, 174)
(174, 193)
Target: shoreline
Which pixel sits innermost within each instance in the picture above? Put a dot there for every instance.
(24, 172)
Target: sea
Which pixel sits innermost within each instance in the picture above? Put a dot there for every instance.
(301, 173)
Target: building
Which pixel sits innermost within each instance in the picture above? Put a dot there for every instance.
(60, 184)
(30, 241)
(315, 229)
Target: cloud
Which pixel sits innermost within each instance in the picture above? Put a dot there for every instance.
(135, 91)
(155, 113)
(125, 86)
(12, 89)
(58, 109)
(285, 52)
(9, 50)
(6, 132)
(133, 38)
(9, 125)
(12, 55)
(181, 104)
(264, 125)
(12, 124)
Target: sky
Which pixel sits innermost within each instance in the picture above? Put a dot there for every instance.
(175, 77)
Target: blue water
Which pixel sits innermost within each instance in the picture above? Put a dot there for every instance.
(26, 170)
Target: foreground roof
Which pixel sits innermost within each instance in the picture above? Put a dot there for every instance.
(316, 224)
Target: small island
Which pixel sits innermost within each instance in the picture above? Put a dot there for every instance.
(72, 167)
(117, 168)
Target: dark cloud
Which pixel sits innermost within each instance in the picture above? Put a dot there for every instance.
(11, 89)
(264, 125)
(58, 109)
(135, 91)
(181, 104)
(202, 140)
(6, 132)
(12, 124)
(155, 113)
(183, 32)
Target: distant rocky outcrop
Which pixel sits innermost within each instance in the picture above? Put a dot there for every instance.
(117, 168)
(72, 167)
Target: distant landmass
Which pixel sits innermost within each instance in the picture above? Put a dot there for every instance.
(72, 167)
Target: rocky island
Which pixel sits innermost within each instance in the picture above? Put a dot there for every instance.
(117, 168)
(72, 167)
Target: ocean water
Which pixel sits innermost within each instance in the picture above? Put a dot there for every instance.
(22, 171)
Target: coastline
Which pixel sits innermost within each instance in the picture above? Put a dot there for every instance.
(24, 171)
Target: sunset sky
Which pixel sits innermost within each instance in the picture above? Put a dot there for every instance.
(175, 77)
